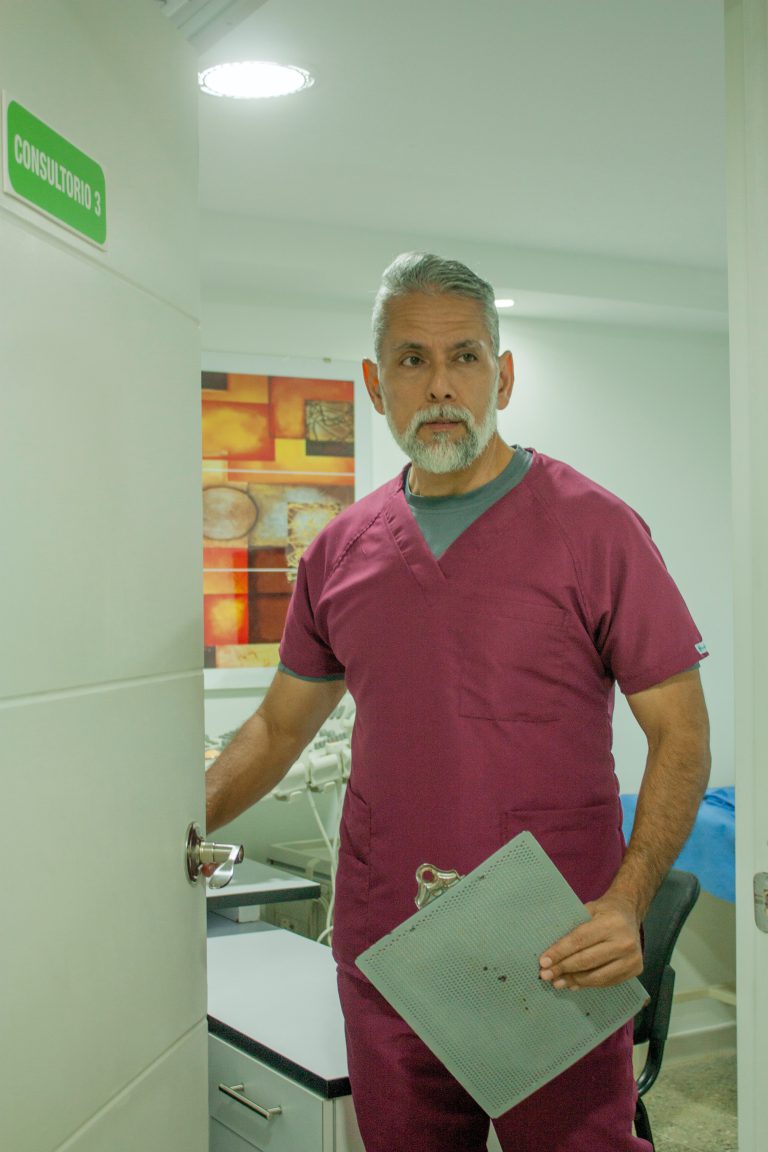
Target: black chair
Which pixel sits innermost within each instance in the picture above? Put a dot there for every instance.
(668, 912)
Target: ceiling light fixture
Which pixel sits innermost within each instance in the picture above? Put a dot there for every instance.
(254, 80)
(504, 303)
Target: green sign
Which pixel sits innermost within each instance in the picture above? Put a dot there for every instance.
(55, 177)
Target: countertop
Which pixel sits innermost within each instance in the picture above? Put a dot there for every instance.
(273, 994)
(256, 883)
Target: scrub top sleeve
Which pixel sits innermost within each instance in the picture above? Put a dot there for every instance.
(304, 651)
(309, 679)
(643, 629)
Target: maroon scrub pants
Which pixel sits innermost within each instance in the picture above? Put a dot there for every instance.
(406, 1101)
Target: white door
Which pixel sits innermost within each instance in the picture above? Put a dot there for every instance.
(747, 76)
(102, 964)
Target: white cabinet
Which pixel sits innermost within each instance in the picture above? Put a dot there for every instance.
(272, 999)
(304, 1120)
(277, 1041)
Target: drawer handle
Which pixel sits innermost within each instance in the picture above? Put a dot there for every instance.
(235, 1094)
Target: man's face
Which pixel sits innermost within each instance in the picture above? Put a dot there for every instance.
(437, 380)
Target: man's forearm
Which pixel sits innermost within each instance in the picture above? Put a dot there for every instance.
(248, 769)
(606, 949)
(676, 775)
(267, 745)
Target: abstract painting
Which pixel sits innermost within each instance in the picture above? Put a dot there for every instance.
(278, 465)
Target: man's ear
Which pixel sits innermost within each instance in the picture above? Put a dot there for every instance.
(506, 378)
(371, 377)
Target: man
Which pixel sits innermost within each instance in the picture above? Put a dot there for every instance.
(480, 609)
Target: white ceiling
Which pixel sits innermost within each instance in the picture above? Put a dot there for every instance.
(572, 150)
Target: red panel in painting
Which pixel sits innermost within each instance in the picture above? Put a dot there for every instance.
(266, 583)
(267, 619)
(225, 558)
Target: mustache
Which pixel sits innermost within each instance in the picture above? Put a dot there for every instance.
(439, 412)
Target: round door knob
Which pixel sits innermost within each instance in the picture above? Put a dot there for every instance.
(200, 852)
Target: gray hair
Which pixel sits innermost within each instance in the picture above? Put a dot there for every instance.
(422, 272)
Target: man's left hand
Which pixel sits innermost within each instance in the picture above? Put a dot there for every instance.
(606, 950)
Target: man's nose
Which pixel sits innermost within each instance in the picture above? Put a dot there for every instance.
(440, 387)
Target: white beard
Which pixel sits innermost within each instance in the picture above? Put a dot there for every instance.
(444, 454)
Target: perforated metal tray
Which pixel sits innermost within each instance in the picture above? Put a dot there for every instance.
(463, 973)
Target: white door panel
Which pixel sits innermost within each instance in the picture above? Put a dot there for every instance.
(102, 987)
(146, 1115)
(103, 528)
(107, 963)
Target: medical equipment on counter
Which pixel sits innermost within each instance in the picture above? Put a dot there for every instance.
(324, 766)
(255, 885)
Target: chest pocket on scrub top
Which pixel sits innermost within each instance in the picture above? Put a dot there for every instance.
(511, 658)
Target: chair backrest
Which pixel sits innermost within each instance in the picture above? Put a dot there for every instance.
(665, 917)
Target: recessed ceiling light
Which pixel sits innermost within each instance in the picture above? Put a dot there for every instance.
(504, 303)
(253, 80)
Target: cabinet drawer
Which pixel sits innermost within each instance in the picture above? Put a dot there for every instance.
(304, 1115)
(223, 1139)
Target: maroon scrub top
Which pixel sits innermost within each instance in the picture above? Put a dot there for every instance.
(483, 681)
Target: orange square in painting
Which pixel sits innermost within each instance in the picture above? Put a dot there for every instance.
(226, 620)
(218, 583)
(291, 455)
(236, 431)
(248, 389)
(225, 571)
(288, 394)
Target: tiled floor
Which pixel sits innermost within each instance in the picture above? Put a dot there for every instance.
(692, 1106)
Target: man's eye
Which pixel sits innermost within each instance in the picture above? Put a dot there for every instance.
(468, 357)
(411, 360)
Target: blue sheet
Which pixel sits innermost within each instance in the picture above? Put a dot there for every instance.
(709, 851)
